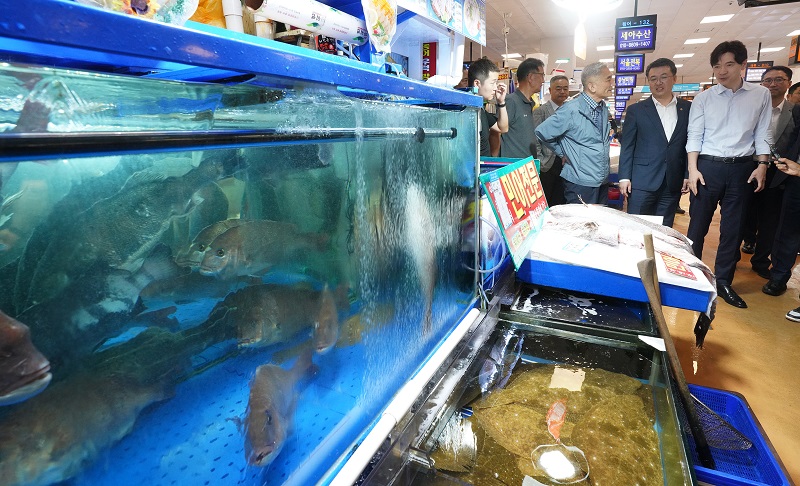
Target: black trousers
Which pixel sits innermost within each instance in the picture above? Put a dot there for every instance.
(575, 193)
(725, 185)
(787, 237)
(552, 184)
(761, 223)
(661, 202)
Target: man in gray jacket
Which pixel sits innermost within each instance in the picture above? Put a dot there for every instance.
(578, 133)
(550, 173)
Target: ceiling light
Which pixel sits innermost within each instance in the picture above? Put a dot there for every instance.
(678, 65)
(793, 33)
(685, 55)
(605, 48)
(772, 49)
(606, 60)
(716, 18)
(512, 55)
(588, 6)
(711, 78)
(701, 40)
(562, 61)
(752, 60)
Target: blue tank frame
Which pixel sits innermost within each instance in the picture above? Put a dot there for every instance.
(62, 33)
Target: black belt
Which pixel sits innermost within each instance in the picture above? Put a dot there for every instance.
(728, 160)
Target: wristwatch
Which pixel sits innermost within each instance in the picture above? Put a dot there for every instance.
(500, 105)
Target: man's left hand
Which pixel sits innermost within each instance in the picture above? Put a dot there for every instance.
(759, 175)
(685, 187)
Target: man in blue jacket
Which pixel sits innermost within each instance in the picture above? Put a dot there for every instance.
(652, 163)
(578, 133)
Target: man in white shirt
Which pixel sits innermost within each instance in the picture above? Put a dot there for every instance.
(652, 163)
(728, 124)
(550, 173)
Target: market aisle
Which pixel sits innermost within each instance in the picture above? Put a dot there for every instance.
(751, 351)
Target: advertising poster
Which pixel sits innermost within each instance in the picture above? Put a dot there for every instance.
(429, 60)
(517, 199)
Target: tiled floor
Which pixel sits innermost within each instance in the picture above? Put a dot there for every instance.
(751, 351)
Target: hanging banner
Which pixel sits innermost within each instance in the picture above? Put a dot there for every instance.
(428, 59)
(467, 17)
(517, 198)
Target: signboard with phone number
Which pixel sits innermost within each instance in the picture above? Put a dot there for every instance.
(636, 33)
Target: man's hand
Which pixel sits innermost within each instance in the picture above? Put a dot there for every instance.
(695, 177)
(788, 166)
(625, 187)
(759, 175)
(685, 187)
(500, 93)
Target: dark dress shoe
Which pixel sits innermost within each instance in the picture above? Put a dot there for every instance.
(748, 248)
(774, 288)
(762, 272)
(680, 210)
(730, 296)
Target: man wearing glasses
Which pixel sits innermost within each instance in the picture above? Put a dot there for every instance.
(518, 143)
(652, 163)
(764, 211)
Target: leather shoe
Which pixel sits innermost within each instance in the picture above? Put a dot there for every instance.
(680, 210)
(774, 288)
(762, 272)
(730, 296)
(748, 248)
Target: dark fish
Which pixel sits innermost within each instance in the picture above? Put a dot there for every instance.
(270, 409)
(254, 247)
(193, 255)
(24, 371)
(268, 314)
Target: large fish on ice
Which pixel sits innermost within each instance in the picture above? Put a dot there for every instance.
(270, 409)
(24, 371)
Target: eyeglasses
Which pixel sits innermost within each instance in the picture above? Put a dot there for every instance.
(661, 79)
(773, 80)
(540, 73)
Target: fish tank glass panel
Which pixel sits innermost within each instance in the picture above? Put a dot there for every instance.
(548, 406)
(238, 313)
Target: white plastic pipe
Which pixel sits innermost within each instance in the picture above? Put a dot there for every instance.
(457, 56)
(264, 27)
(401, 404)
(232, 9)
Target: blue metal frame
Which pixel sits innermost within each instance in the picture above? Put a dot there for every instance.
(67, 34)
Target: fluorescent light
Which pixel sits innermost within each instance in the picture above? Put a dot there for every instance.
(562, 61)
(716, 18)
(606, 60)
(691, 54)
(772, 49)
(605, 48)
(678, 65)
(512, 55)
(793, 33)
(752, 60)
(700, 40)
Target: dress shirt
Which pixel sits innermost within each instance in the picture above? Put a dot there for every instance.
(773, 123)
(724, 123)
(668, 115)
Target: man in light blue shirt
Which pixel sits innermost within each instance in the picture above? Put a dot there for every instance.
(728, 124)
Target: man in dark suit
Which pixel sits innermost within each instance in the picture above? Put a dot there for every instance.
(652, 163)
(764, 210)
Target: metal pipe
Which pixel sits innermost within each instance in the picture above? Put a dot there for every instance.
(43, 146)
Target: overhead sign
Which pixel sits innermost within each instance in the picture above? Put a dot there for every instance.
(678, 87)
(624, 91)
(630, 63)
(794, 51)
(636, 34)
(755, 70)
(518, 202)
(622, 98)
(620, 105)
(625, 80)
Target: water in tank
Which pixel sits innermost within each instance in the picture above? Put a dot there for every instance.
(217, 284)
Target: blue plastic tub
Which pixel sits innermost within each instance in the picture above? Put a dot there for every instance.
(757, 466)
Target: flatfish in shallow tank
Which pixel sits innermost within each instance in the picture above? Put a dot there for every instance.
(608, 416)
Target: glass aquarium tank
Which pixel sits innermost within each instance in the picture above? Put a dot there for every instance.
(221, 284)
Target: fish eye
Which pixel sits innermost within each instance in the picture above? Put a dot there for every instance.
(221, 252)
(269, 417)
(202, 247)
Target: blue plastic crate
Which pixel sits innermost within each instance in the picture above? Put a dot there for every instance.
(757, 466)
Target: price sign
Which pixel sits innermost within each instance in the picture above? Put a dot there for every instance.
(630, 63)
(636, 34)
(625, 81)
(624, 91)
(620, 106)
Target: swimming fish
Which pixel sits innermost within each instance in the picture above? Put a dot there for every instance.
(270, 409)
(24, 371)
(420, 237)
(254, 247)
(193, 255)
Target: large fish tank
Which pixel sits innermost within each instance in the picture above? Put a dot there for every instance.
(230, 280)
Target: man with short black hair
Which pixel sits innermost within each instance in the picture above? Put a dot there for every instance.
(794, 94)
(517, 143)
(550, 173)
(728, 124)
(578, 133)
(652, 163)
(482, 76)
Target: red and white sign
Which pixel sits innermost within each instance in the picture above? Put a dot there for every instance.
(428, 60)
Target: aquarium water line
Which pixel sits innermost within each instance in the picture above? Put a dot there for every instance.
(401, 403)
(15, 147)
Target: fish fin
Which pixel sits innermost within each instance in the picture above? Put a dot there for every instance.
(142, 177)
(7, 202)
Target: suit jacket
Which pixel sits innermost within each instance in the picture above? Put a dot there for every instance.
(647, 157)
(546, 156)
(785, 134)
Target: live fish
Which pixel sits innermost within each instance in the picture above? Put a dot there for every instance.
(270, 409)
(254, 247)
(420, 237)
(193, 255)
(24, 371)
